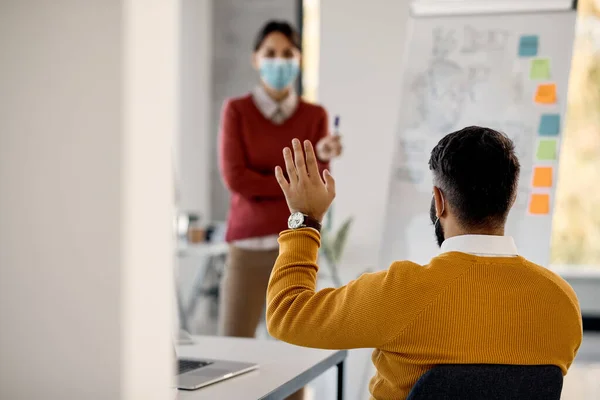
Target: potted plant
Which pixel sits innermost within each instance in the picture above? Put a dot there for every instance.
(332, 247)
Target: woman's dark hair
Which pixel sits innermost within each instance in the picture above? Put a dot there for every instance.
(283, 27)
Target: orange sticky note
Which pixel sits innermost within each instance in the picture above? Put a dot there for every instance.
(546, 93)
(542, 177)
(539, 204)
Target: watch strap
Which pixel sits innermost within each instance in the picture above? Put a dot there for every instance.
(310, 222)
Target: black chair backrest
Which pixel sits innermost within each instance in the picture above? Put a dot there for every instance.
(489, 382)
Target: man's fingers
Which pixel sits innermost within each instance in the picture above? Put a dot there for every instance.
(299, 159)
(329, 182)
(289, 165)
(311, 160)
(281, 179)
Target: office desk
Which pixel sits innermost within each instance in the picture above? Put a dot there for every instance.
(283, 368)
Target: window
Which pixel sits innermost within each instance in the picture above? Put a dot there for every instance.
(576, 223)
(310, 49)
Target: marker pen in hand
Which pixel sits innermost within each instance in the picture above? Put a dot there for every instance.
(336, 126)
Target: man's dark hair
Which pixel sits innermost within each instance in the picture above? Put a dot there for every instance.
(283, 27)
(478, 172)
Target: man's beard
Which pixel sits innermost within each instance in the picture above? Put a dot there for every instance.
(437, 226)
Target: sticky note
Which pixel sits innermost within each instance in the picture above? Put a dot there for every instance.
(542, 177)
(528, 46)
(546, 150)
(540, 68)
(546, 93)
(539, 204)
(549, 125)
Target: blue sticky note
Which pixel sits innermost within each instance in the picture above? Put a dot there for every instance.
(528, 46)
(549, 125)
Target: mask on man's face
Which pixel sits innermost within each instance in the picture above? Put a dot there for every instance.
(437, 225)
(279, 73)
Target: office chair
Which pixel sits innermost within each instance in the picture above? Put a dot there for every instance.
(489, 382)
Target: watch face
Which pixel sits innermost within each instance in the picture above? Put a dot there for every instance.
(296, 220)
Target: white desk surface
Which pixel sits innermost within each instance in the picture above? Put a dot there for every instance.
(283, 368)
(202, 250)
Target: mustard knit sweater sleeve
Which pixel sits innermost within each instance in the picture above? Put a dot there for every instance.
(352, 316)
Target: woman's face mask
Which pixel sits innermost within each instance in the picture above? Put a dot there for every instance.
(279, 73)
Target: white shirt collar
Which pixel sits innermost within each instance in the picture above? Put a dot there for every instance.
(268, 107)
(481, 245)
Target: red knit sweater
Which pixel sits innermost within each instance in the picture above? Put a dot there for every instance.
(250, 146)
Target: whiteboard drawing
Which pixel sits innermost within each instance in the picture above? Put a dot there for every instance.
(484, 40)
(444, 42)
(441, 91)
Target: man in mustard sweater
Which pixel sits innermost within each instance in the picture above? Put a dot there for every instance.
(478, 301)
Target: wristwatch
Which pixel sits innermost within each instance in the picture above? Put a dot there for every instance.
(298, 220)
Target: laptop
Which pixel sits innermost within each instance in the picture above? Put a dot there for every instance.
(196, 373)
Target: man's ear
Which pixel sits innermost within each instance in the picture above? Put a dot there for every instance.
(254, 61)
(440, 205)
(513, 200)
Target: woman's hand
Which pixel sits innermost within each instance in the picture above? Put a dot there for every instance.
(329, 147)
(306, 191)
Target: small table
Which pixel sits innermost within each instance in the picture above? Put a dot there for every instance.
(202, 249)
(210, 254)
(283, 368)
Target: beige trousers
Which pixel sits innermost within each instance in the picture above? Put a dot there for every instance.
(243, 293)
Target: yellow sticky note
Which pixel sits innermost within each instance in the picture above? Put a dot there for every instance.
(546, 93)
(542, 177)
(539, 204)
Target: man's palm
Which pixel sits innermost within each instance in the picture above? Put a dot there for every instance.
(305, 192)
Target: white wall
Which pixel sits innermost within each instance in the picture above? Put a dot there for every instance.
(359, 79)
(87, 113)
(194, 153)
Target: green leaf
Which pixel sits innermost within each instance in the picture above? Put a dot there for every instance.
(340, 240)
(326, 245)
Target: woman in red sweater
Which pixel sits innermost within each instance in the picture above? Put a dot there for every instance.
(255, 128)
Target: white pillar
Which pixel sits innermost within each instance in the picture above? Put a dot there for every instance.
(88, 107)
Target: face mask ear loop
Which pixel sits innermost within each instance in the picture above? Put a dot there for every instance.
(443, 208)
